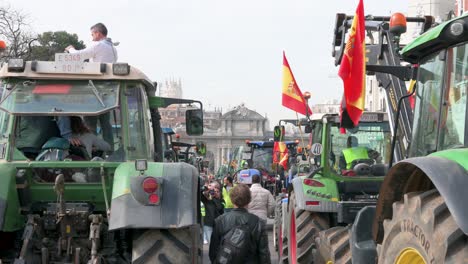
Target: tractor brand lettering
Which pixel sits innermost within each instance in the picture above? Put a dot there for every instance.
(408, 226)
(393, 99)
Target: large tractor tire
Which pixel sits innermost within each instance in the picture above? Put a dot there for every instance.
(333, 246)
(422, 230)
(168, 246)
(303, 227)
(283, 237)
(277, 223)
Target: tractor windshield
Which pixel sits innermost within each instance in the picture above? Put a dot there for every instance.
(440, 115)
(262, 158)
(60, 97)
(47, 115)
(369, 143)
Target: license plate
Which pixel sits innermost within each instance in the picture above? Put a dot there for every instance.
(68, 63)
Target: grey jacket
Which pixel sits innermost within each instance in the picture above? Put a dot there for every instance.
(262, 203)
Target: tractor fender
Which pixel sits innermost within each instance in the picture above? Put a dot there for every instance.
(10, 215)
(301, 199)
(448, 177)
(178, 194)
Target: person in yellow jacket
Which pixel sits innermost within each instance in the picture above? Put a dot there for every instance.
(228, 185)
(352, 152)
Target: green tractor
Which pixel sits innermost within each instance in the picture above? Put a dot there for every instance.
(346, 171)
(421, 215)
(119, 206)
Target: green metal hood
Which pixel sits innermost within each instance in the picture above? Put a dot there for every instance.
(457, 155)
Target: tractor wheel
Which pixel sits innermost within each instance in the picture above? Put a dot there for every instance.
(303, 227)
(277, 223)
(168, 246)
(422, 230)
(333, 246)
(283, 237)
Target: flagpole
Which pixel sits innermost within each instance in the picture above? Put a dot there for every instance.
(300, 130)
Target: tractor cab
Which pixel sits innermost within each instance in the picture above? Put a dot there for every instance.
(441, 102)
(81, 149)
(361, 151)
(258, 159)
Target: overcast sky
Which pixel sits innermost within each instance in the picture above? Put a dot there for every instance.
(225, 52)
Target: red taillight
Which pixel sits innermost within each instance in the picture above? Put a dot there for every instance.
(313, 183)
(312, 203)
(153, 198)
(150, 185)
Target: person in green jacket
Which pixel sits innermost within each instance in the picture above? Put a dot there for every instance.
(228, 185)
(352, 152)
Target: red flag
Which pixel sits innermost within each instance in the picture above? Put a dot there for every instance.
(292, 95)
(284, 161)
(352, 70)
(280, 149)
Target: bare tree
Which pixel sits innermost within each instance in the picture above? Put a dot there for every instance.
(15, 30)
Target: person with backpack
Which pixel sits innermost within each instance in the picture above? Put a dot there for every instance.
(239, 236)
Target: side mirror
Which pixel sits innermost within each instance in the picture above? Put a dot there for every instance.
(308, 129)
(201, 148)
(194, 122)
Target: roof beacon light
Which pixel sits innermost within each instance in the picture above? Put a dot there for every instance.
(3, 45)
(398, 24)
(457, 28)
(307, 95)
(121, 68)
(16, 65)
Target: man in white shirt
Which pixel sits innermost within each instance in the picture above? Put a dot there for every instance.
(101, 49)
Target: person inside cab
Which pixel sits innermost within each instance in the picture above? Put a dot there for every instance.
(352, 152)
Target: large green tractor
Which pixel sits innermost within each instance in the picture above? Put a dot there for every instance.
(62, 204)
(421, 215)
(345, 175)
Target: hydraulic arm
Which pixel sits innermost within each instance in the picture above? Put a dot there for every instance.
(383, 60)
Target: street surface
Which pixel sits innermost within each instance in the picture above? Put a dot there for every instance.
(273, 253)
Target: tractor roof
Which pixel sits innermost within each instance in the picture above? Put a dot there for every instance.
(88, 70)
(435, 39)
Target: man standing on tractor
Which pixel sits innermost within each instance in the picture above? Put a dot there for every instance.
(101, 50)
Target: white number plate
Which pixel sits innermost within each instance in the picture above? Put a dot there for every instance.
(68, 63)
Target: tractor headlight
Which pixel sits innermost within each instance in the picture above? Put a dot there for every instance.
(121, 68)
(16, 65)
(457, 28)
(141, 165)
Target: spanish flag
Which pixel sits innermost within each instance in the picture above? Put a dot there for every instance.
(280, 154)
(352, 71)
(292, 95)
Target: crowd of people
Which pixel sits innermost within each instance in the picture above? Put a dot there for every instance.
(234, 220)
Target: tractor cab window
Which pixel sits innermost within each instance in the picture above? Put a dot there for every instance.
(315, 142)
(453, 119)
(370, 143)
(426, 112)
(60, 97)
(139, 147)
(262, 158)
